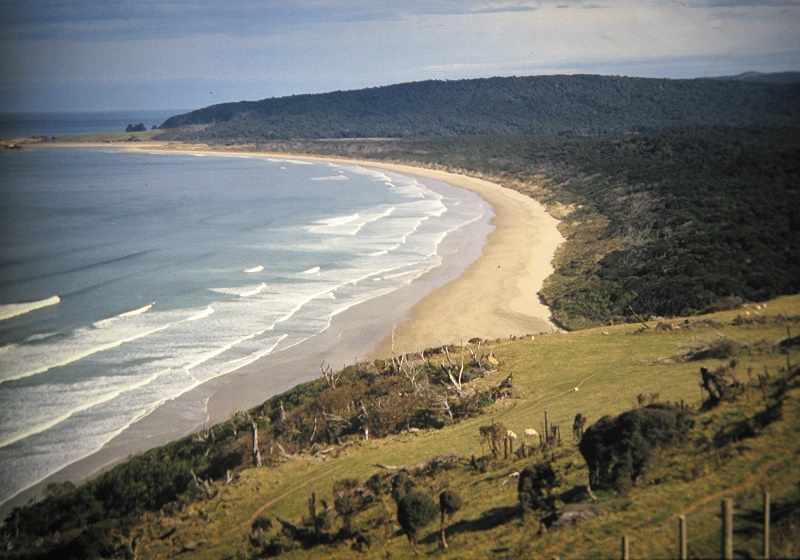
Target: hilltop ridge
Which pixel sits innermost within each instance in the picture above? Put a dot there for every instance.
(576, 105)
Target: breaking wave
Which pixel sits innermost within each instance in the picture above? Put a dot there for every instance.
(9, 310)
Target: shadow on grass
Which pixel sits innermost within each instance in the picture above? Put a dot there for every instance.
(489, 520)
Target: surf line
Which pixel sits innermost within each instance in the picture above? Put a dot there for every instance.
(9, 310)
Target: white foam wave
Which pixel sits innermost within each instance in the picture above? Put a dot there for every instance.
(338, 221)
(242, 291)
(67, 358)
(37, 338)
(257, 290)
(85, 405)
(71, 454)
(313, 270)
(9, 310)
(202, 315)
(258, 268)
(18, 361)
(292, 161)
(127, 314)
(331, 178)
(349, 225)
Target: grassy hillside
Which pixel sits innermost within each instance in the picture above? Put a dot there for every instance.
(542, 105)
(736, 450)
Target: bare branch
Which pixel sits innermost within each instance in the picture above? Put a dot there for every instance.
(436, 461)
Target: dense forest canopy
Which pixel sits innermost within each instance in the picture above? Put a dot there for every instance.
(576, 105)
(684, 193)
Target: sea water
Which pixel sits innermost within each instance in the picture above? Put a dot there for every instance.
(21, 125)
(129, 278)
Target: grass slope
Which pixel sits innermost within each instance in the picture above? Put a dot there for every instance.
(611, 367)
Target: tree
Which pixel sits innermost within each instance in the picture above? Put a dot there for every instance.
(494, 434)
(350, 497)
(449, 503)
(617, 450)
(414, 511)
(536, 485)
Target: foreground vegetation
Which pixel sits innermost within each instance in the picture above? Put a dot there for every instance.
(341, 493)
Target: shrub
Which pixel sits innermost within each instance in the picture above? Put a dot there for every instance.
(617, 450)
(536, 485)
(449, 503)
(262, 522)
(414, 511)
(401, 485)
(350, 497)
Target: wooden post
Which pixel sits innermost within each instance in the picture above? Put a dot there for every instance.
(727, 530)
(625, 548)
(766, 525)
(682, 547)
(546, 430)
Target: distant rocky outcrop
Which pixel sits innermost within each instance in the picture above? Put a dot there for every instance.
(137, 128)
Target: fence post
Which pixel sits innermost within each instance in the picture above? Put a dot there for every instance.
(766, 525)
(625, 548)
(682, 545)
(727, 530)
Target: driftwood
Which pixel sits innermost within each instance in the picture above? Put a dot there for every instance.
(256, 451)
(203, 485)
(717, 383)
(283, 452)
(638, 318)
(456, 382)
(331, 378)
(425, 464)
(334, 418)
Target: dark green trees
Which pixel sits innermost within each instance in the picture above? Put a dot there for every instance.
(415, 510)
(617, 450)
(536, 485)
(449, 503)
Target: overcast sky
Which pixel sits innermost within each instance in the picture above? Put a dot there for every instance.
(62, 55)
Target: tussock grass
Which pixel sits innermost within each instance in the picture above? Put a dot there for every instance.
(736, 450)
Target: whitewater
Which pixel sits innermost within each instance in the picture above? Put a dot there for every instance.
(129, 279)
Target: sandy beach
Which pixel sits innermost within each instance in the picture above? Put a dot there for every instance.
(497, 296)
(488, 292)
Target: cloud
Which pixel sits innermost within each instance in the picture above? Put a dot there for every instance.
(247, 49)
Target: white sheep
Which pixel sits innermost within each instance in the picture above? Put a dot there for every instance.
(511, 435)
(531, 433)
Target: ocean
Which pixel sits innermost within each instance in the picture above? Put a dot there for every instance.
(23, 125)
(128, 279)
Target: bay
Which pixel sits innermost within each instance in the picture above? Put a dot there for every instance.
(128, 279)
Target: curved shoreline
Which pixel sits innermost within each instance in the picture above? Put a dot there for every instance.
(493, 297)
(497, 295)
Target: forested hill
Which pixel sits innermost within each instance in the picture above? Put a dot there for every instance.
(541, 105)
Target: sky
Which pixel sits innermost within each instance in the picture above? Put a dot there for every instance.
(82, 55)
